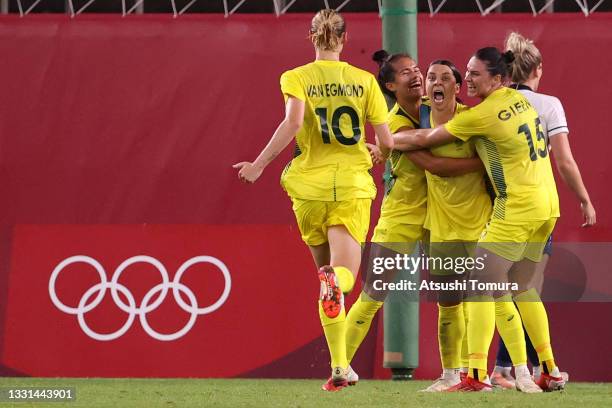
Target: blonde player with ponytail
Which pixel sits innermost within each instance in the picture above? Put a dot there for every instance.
(327, 105)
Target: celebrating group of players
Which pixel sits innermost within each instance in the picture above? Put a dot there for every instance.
(438, 150)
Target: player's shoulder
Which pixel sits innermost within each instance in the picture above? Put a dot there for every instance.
(462, 107)
(550, 100)
(542, 100)
(359, 72)
(398, 118)
(297, 71)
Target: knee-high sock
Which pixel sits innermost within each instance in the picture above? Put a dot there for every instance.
(358, 322)
(480, 330)
(504, 360)
(346, 280)
(465, 355)
(451, 330)
(535, 320)
(335, 334)
(510, 327)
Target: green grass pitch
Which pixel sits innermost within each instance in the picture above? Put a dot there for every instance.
(120, 393)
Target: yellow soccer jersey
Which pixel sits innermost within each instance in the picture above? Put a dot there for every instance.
(512, 145)
(406, 199)
(331, 160)
(458, 207)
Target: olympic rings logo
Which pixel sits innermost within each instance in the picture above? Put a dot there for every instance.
(146, 306)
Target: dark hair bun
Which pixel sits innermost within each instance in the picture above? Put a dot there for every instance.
(508, 57)
(380, 57)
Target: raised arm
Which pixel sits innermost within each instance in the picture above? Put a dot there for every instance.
(444, 166)
(286, 131)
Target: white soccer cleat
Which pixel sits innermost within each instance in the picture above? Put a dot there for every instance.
(351, 376)
(442, 384)
(527, 385)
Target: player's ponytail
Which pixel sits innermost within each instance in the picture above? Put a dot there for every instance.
(527, 57)
(326, 30)
(497, 63)
(508, 57)
(380, 57)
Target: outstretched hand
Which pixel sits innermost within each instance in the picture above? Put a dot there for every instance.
(248, 173)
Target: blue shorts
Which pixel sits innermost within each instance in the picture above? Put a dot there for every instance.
(548, 247)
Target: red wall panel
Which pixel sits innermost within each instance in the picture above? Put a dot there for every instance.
(117, 138)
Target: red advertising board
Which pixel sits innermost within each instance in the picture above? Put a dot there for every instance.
(161, 301)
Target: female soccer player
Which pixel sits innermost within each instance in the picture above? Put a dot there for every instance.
(511, 143)
(404, 208)
(525, 73)
(327, 105)
(405, 203)
(457, 211)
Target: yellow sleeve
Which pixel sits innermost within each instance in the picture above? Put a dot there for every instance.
(376, 109)
(467, 124)
(291, 86)
(396, 122)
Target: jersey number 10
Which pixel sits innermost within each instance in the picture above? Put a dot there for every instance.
(335, 125)
(540, 135)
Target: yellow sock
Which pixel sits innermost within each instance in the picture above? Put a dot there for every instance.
(465, 355)
(510, 327)
(335, 334)
(535, 320)
(346, 280)
(548, 366)
(451, 330)
(480, 330)
(358, 322)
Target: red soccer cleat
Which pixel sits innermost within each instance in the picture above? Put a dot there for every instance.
(471, 385)
(549, 383)
(331, 295)
(333, 386)
(337, 381)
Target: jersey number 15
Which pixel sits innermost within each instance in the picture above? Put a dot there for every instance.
(540, 136)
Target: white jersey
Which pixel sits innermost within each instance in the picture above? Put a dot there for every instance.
(550, 111)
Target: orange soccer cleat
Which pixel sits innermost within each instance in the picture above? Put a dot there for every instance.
(332, 299)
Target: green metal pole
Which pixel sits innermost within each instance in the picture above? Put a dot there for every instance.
(399, 21)
(401, 311)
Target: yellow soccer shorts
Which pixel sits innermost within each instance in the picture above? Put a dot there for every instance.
(441, 249)
(402, 237)
(315, 217)
(515, 242)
